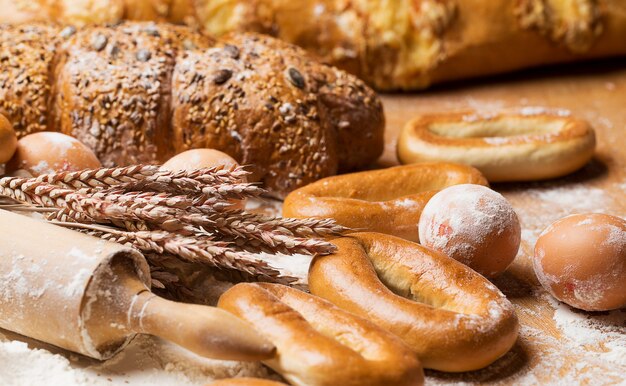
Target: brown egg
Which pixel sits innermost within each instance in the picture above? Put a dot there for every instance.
(203, 158)
(474, 225)
(49, 152)
(198, 159)
(581, 260)
(8, 140)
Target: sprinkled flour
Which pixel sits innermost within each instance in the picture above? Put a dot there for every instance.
(604, 332)
(573, 199)
(146, 361)
(550, 203)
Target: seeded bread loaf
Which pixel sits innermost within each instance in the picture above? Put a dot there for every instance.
(141, 92)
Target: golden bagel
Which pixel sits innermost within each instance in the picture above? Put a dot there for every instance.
(245, 382)
(453, 318)
(533, 144)
(320, 344)
(386, 201)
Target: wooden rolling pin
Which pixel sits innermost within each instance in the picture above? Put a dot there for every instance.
(91, 296)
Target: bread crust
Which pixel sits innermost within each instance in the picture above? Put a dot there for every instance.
(114, 90)
(267, 105)
(388, 201)
(453, 318)
(506, 146)
(27, 60)
(401, 44)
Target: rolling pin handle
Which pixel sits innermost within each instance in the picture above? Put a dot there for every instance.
(207, 331)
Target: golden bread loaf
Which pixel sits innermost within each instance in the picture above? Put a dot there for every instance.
(403, 44)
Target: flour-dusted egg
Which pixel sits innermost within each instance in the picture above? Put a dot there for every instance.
(199, 159)
(8, 140)
(474, 225)
(581, 260)
(49, 152)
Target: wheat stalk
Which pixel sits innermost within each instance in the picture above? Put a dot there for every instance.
(99, 178)
(187, 216)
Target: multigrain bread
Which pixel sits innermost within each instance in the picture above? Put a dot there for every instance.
(114, 87)
(141, 92)
(394, 44)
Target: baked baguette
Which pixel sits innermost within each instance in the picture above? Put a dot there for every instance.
(404, 44)
(141, 92)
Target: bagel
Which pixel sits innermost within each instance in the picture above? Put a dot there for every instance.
(245, 382)
(386, 201)
(453, 318)
(320, 344)
(524, 146)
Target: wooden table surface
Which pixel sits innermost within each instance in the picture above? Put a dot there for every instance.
(557, 345)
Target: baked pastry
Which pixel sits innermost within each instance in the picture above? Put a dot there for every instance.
(412, 44)
(141, 92)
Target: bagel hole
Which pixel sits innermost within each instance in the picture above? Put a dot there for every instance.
(498, 128)
(408, 284)
(423, 287)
